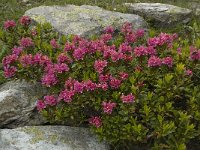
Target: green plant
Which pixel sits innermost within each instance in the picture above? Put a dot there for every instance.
(131, 90)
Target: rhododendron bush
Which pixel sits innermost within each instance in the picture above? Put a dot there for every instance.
(129, 88)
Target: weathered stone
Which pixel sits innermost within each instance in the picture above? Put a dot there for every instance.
(82, 20)
(17, 103)
(162, 15)
(49, 138)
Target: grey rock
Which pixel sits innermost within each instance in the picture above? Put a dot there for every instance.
(82, 20)
(49, 138)
(17, 103)
(163, 15)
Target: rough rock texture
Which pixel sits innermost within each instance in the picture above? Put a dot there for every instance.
(82, 20)
(17, 104)
(49, 138)
(163, 15)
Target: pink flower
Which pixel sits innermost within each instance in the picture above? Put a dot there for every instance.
(7, 60)
(103, 86)
(140, 51)
(123, 75)
(126, 27)
(9, 71)
(188, 72)
(45, 60)
(25, 20)
(79, 54)
(106, 37)
(154, 61)
(49, 79)
(103, 78)
(69, 84)
(194, 53)
(54, 44)
(140, 33)
(115, 56)
(63, 58)
(40, 105)
(26, 42)
(78, 87)
(108, 107)
(66, 95)
(109, 30)
(167, 61)
(128, 98)
(60, 68)
(50, 100)
(90, 86)
(17, 50)
(69, 47)
(95, 121)
(114, 83)
(33, 32)
(26, 60)
(9, 24)
(37, 58)
(99, 65)
(124, 47)
(130, 37)
(151, 50)
(179, 49)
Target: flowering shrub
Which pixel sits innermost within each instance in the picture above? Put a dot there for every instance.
(130, 89)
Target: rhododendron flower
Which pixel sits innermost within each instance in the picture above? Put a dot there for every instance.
(40, 105)
(7, 60)
(49, 79)
(126, 27)
(167, 61)
(124, 47)
(26, 60)
(9, 71)
(63, 58)
(95, 121)
(66, 95)
(25, 20)
(90, 86)
(26, 42)
(179, 49)
(140, 51)
(103, 78)
(114, 83)
(130, 37)
(54, 44)
(37, 58)
(151, 50)
(50, 100)
(99, 65)
(115, 56)
(9, 24)
(60, 68)
(103, 86)
(108, 107)
(17, 50)
(79, 53)
(106, 37)
(78, 87)
(45, 60)
(188, 72)
(140, 33)
(109, 29)
(154, 61)
(123, 75)
(69, 47)
(128, 98)
(194, 53)
(69, 84)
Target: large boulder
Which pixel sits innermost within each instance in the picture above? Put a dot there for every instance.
(17, 104)
(49, 138)
(82, 20)
(162, 15)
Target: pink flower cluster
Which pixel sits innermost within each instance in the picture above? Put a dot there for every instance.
(128, 98)
(95, 121)
(108, 107)
(54, 44)
(99, 65)
(25, 20)
(9, 24)
(155, 61)
(26, 42)
(194, 53)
